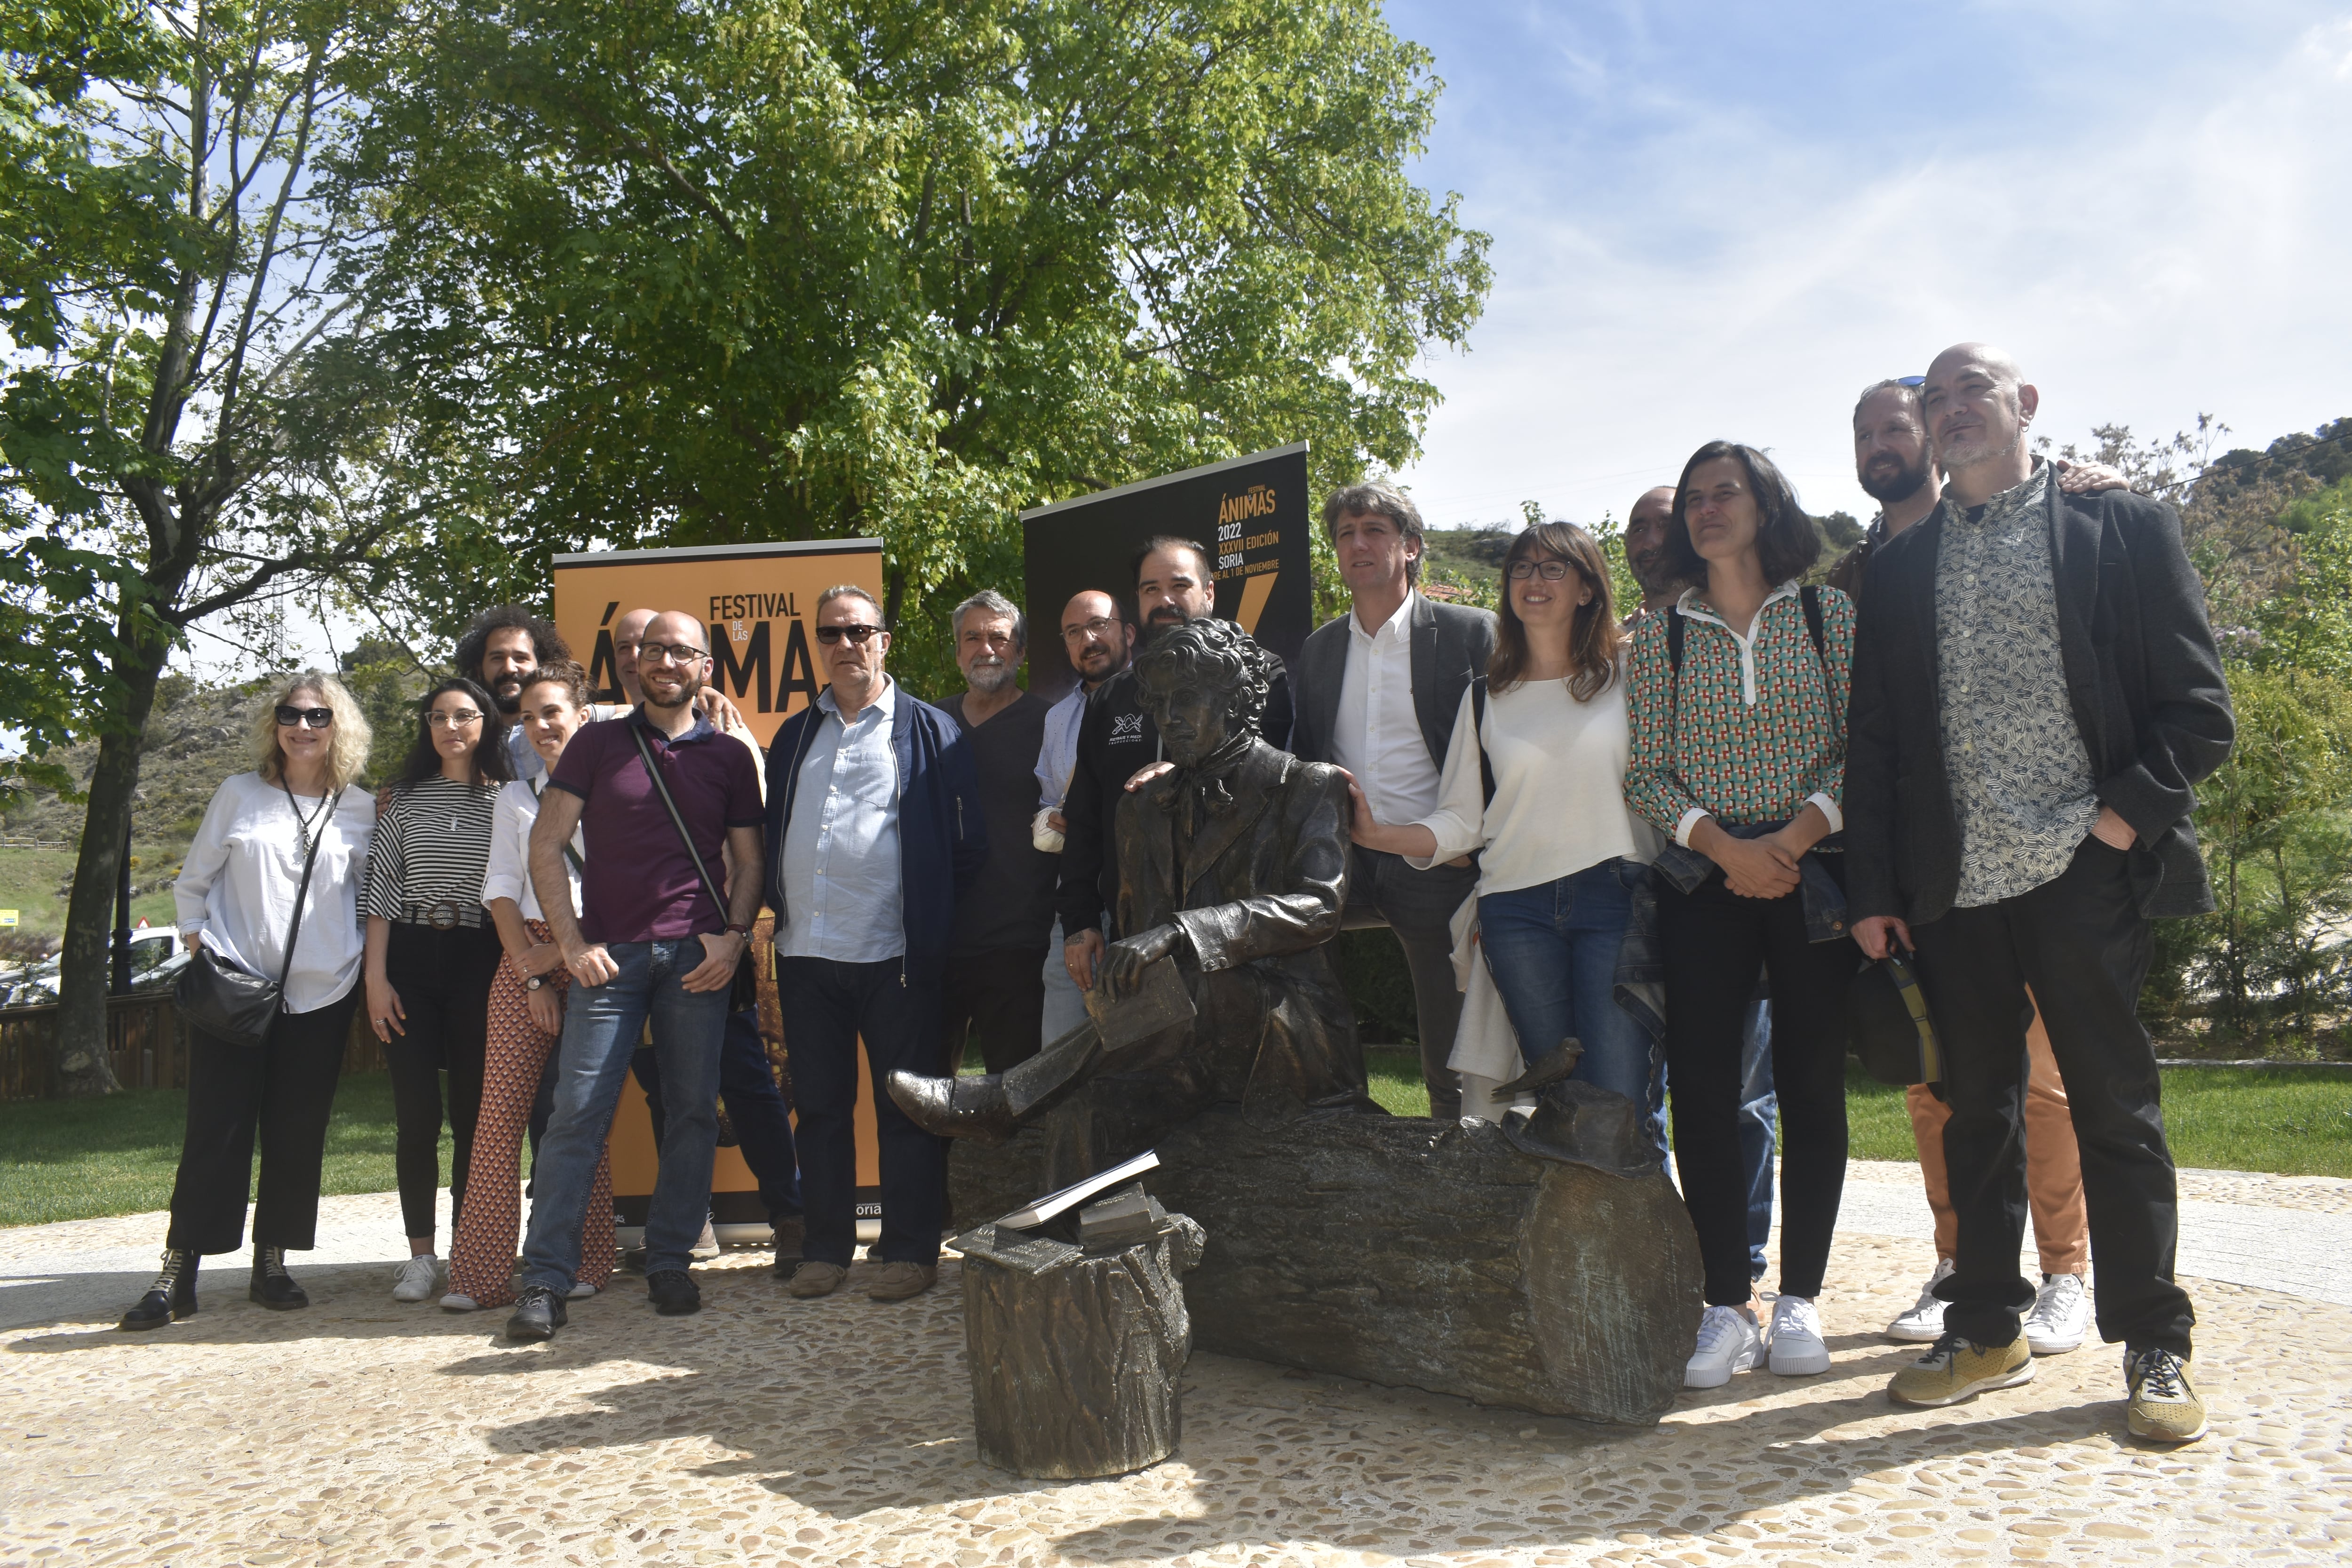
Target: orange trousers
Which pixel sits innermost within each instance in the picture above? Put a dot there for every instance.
(482, 1255)
(2053, 1163)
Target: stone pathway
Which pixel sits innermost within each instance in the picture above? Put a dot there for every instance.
(362, 1431)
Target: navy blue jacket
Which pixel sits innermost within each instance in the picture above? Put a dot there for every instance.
(942, 839)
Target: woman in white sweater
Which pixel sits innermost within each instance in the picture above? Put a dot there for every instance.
(1535, 788)
(236, 897)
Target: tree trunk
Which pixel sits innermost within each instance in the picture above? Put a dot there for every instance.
(82, 1068)
(1418, 1254)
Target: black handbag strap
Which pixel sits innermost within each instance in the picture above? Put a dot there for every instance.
(295, 929)
(580, 867)
(645, 754)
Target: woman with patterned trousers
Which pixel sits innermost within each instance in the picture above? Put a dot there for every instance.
(526, 1021)
(431, 950)
(1738, 697)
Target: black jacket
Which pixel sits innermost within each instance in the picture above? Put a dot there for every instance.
(942, 841)
(1451, 645)
(2143, 676)
(1115, 738)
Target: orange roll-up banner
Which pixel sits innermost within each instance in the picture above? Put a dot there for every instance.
(758, 604)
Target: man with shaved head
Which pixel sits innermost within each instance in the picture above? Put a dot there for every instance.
(2021, 830)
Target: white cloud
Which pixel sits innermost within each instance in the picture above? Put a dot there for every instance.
(2148, 257)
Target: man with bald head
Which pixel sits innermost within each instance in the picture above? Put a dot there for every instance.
(652, 943)
(1647, 526)
(1097, 640)
(2021, 829)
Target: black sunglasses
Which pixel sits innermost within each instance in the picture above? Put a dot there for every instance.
(855, 632)
(312, 717)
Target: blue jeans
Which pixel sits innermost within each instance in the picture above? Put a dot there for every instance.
(1759, 1116)
(1552, 950)
(601, 1028)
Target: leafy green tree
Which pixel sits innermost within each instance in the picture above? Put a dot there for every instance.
(675, 274)
(187, 429)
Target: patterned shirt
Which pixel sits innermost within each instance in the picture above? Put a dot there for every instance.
(2021, 776)
(1757, 727)
(431, 847)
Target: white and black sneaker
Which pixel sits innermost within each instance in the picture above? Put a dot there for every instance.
(2061, 1318)
(1924, 1323)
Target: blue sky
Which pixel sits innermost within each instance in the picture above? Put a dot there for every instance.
(1724, 220)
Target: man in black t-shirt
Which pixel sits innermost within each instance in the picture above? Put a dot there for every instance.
(1174, 584)
(995, 986)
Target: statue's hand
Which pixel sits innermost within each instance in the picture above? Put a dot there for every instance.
(1128, 957)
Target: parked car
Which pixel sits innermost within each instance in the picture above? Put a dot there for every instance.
(157, 956)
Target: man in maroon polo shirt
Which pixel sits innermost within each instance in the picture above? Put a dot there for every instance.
(650, 943)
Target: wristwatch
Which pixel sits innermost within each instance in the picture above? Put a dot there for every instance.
(737, 928)
(533, 982)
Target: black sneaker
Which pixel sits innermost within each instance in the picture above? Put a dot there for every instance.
(673, 1292)
(538, 1314)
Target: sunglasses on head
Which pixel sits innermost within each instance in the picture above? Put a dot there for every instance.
(1911, 381)
(306, 718)
(855, 632)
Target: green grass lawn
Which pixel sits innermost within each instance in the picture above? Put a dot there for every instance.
(2288, 1121)
(83, 1158)
(28, 884)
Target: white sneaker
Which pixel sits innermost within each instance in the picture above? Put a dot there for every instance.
(2061, 1315)
(581, 1290)
(1924, 1323)
(1796, 1341)
(417, 1277)
(454, 1302)
(706, 1246)
(1727, 1342)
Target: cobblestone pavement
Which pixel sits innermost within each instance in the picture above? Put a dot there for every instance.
(763, 1429)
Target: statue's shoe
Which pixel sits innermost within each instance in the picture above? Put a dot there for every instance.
(955, 1107)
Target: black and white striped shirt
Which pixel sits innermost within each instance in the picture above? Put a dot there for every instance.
(432, 844)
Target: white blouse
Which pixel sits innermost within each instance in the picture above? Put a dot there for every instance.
(509, 876)
(1559, 787)
(236, 887)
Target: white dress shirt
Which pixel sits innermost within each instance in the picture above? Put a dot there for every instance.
(1378, 736)
(509, 876)
(237, 881)
(840, 864)
(1057, 759)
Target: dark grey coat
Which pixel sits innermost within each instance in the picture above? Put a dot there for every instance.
(1451, 645)
(2143, 676)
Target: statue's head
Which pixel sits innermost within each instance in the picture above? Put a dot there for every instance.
(1203, 682)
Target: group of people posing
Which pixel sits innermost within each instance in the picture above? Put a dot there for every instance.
(1672, 833)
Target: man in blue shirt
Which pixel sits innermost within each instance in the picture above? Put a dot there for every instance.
(873, 832)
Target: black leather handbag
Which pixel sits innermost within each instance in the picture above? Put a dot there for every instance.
(744, 993)
(226, 1002)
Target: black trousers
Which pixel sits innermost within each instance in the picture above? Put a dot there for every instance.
(1002, 996)
(2080, 942)
(444, 981)
(285, 1091)
(755, 1107)
(829, 1006)
(1419, 907)
(1715, 943)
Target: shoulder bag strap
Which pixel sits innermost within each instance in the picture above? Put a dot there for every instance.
(1479, 734)
(294, 929)
(644, 753)
(1809, 595)
(538, 792)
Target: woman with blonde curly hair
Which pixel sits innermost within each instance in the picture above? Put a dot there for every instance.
(236, 896)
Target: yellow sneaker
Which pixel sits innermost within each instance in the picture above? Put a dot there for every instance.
(1954, 1369)
(2164, 1404)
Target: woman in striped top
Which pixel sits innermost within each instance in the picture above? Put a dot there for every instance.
(1738, 699)
(431, 950)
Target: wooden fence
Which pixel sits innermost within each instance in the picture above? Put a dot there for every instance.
(146, 1044)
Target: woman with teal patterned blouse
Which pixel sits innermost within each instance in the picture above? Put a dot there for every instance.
(1739, 700)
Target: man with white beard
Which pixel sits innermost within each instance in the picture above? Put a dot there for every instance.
(995, 985)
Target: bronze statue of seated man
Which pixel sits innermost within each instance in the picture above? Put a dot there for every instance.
(1234, 868)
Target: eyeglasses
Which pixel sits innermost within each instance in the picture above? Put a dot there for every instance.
(1910, 381)
(306, 718)
(855, 632)
(465, 719)
(671, 652)
(1550, 571)
(1100, 626)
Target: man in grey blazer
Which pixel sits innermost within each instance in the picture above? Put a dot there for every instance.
(1377, 692)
